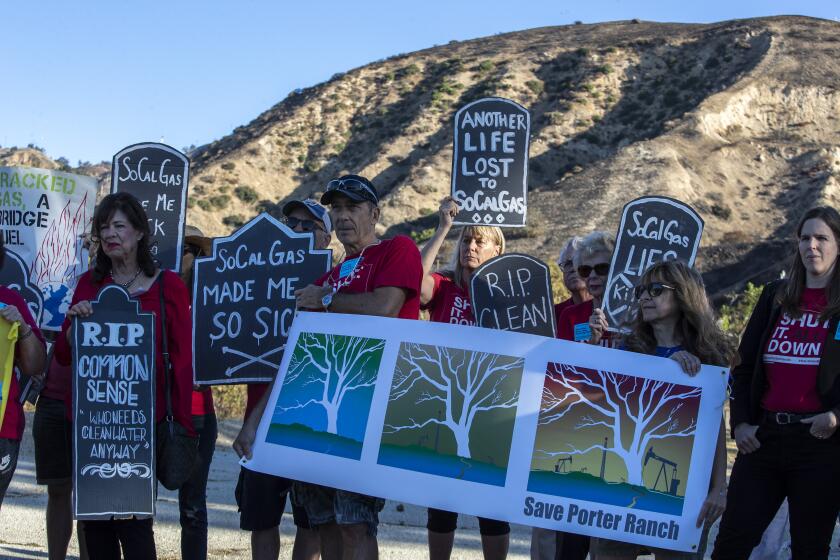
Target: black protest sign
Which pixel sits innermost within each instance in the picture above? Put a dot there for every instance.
(114, 409)
(512, 292)
(652, 229)
(490, 162)
(15, 275)
(157, 175)
(244, 300)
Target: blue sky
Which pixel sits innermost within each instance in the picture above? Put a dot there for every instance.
(84, 79)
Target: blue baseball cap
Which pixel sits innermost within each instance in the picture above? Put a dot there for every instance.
(316, 210)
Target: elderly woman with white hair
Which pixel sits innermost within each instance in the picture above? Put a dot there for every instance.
(574, 283)
(586, 322)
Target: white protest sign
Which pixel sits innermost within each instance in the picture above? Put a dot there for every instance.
(498, 424)
(43, 213)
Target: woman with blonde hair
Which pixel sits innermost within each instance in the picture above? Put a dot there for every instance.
(445, 294)
(672, 318)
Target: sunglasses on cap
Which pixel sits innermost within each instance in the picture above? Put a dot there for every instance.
(601, 269)
(655, 289)
(306, 225)
(353, 186)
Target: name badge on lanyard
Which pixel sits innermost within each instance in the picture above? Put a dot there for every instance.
(347, 268)
(583, 332)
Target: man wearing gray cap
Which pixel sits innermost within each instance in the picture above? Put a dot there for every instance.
(262, 497)
(377, 277)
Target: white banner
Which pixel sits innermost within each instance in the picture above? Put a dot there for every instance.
(504, 425)
(43, 213)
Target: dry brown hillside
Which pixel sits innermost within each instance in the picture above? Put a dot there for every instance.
(739, 119)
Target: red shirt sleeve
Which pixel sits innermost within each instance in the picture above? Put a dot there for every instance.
(438, 278)
(401, 267)
(179, 340)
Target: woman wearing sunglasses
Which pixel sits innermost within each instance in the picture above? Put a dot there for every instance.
(672, 319)
(445, 294)
(585, 322)
(786, 403)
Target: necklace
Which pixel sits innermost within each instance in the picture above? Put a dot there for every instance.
(130, 282)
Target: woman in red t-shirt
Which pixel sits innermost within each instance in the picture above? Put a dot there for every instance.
(445, 294)
(124, 258)
(672, 319)
(786, 403)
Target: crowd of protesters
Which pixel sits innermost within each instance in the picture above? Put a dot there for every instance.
(784, 406)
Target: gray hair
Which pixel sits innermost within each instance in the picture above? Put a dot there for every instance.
(572, 245)
(595, 242)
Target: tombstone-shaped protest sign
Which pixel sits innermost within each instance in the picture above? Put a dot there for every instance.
(43, 214)
(14, 274)
(490, 162)
(652, 229)
(114, 409)
(512, 292)
(157, 175)
(244, 300)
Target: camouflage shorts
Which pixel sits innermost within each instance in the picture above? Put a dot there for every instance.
(329, 505)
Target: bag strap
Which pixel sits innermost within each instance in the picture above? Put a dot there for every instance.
(167, 369)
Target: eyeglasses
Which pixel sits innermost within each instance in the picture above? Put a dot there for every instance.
(354, 186)
(655, 289)
(191, 250)
(305, 225)
(601, 269)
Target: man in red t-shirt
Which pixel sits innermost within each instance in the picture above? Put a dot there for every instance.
(377, 277)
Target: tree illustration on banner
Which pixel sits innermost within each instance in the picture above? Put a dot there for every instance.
(613, 438)
(324, 402)
(451, 412)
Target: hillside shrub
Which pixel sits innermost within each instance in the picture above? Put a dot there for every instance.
(733, 318)
(219, 201)
(245, 194)
(235, 220)
(204, 204)
(486, 67)
(228, 166)
(536, 86)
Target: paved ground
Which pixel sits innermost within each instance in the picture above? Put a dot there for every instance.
(402, 533)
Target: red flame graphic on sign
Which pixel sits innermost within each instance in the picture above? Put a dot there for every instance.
(56, 258)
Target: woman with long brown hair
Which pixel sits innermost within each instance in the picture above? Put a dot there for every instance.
(672, 319)
(124, 258)
(786, 402)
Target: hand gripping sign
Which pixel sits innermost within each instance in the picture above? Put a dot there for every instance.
(157, 175)
(652, 229)
(490, 163)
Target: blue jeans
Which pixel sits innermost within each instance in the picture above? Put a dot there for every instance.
(192, 496)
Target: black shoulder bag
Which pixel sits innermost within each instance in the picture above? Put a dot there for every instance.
(176, 450)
